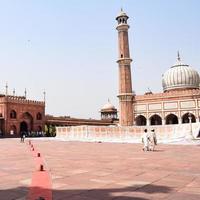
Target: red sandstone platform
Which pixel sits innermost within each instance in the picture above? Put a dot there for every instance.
(102, 171)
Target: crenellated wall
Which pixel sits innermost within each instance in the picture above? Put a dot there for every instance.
(25, 110)
(172, 94)
(15, 99)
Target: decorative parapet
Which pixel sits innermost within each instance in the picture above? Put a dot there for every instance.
(18, 99)
(170, 94)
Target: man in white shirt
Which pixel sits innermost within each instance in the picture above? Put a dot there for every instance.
(145, 140)
(153, 140)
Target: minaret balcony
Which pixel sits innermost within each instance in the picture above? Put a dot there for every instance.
(123, 27)
(126, 97)
(124, 61)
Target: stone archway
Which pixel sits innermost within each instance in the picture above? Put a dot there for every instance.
(26, 122)
(171, 119)
(141, 120)
(155, 120)
(186, 116)
(23, 127)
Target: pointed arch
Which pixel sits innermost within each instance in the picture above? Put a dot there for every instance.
(39, 116)
(186, 116)
(155, 120)
(171, 119)
(26, 123)
(13, 114)
(141, 120)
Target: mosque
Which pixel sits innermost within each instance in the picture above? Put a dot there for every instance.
(173, 113)
(178, 103)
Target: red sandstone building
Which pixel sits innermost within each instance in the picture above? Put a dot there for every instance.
(18, 114)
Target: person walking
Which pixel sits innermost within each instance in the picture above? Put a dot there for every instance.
(153, 140)
(145, 140)
(22, 136)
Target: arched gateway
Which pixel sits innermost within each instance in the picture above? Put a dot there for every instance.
(26, 124)
(23, 127)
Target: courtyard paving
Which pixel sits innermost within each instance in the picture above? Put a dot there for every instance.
(102, 171)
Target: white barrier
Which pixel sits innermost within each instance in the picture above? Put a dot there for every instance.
(165, 133)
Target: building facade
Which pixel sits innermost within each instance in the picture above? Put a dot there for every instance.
(19, 114)
(178, 103)
(175, 107)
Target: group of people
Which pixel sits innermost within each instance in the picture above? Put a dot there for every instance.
(149, 140)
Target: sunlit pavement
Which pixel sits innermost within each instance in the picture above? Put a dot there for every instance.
(95, 171)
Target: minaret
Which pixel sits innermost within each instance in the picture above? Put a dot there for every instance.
(25, 93)
(125, 85)
(6, 89)
(44, 93)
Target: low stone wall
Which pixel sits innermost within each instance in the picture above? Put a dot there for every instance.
(133, 134)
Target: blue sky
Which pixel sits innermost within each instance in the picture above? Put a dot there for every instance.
(69, 48)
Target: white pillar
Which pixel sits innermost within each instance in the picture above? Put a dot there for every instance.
(148, 122)
(190, 134)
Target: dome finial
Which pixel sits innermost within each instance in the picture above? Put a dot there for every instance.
(178, 56)
(25, 93)
(6, 89)
(44, 93)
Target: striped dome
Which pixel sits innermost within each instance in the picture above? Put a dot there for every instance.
(180, 76)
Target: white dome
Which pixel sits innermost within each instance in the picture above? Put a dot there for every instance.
(108, 106)
(180, 76)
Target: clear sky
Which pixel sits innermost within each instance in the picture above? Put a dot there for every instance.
(69, 48)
